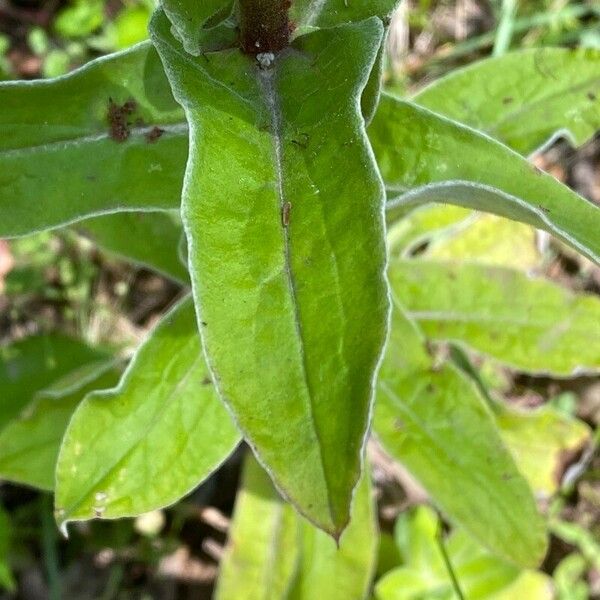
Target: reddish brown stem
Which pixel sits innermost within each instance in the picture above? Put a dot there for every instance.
(264, 25)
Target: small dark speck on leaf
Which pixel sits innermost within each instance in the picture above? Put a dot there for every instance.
(592, 96)
(507, 100)
(204, 323)
(154, 134)
(206, 381)
(117, 116)
(285, 214)
(398, 424)
(302, 142)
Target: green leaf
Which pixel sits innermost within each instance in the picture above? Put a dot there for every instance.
(424, 225)
(530, 324)
(46, 125)
(29, 445)
(525, 98)
(417, 153)
(263, 549)
(432, 419)
(287, 255)
(6, 579)
(274, 554)
(490, 240)
(328, 13)
(148, 238)
(327, 571)
(542, 441)
(148, 442)
(201, 26)
(32, 364)
(480, 575)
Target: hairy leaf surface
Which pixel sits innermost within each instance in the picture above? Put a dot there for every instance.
(201, 26)
(524, 98)
(531, 324)
(63, 157)
(432, 419)
(148, 442)
(286, 251)
(425, 157)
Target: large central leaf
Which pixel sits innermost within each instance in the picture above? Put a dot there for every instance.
(286, 251)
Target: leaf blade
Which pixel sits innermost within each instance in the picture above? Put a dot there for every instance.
(541, 93)
(421, 169)
(284, 197)
(144, 444)
(432, 419)
(47, 124)
(530, 324)
(29, 445)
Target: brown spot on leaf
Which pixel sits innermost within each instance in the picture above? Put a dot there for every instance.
(592, 96)
(118, 119)
(154, 134)
(286, 210)
(508, 100)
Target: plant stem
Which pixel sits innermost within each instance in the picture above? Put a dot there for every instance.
(264, 25)
(442, 545)
(49, 541)
(506, 27)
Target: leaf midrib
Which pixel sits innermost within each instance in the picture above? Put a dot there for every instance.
(174, 129)
(271, 100)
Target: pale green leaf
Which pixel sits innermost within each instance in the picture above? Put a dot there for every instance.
(152, 439)
(533, 585)
(29, 444)
(58, 162)
(524, 98)
(327, 571)
(148, 238)
(263, 549)
(543, 441)
(274, 554)
(201, 26)
(286, 251)
(531, 324)
(480, 575)
(432, 419)
(425, 224)
(32, 364)
(569, 578)
(489, 240)
(425, 157)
